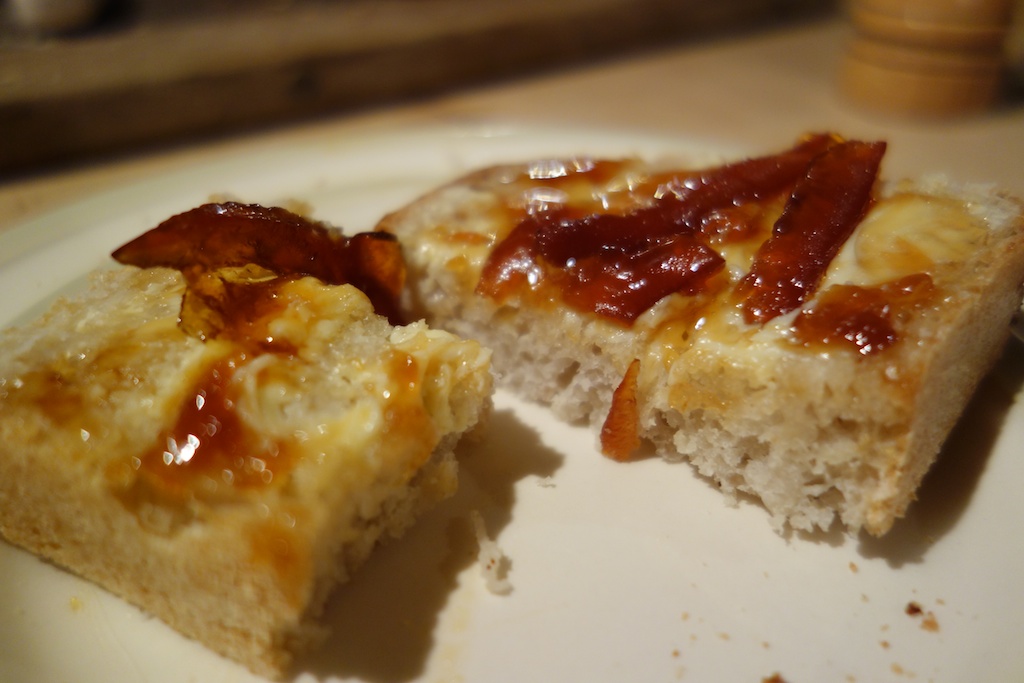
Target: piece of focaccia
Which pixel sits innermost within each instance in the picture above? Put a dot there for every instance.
(796, 328)
(225, 460)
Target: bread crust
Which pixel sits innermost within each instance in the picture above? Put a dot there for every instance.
(816, 434)
(86, 390)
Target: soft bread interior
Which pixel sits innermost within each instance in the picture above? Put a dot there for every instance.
(817, 436)
(369, 413)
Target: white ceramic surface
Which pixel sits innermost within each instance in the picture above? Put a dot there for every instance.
(621, 572)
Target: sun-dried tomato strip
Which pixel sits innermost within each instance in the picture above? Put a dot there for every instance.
(511, 262)
(620, 433)
(624, 288)
(564, 240)
(693, 196)
(618, 266)
(823, 210)
(215, 236)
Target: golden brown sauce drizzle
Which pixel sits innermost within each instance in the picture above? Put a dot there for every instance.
(864, 318)
(232, 235)
(620, 433)
(210, 440)
(404, 413)
(741, 223)
(223, 305)
(235, 259)
(55, 395)
(274, 543)
(619, 265)
(565, 175)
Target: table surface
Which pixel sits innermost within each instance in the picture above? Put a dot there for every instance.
(758, 90)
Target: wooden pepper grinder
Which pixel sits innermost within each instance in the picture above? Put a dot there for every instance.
(926, 58)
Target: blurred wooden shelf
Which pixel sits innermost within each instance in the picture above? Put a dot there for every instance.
(216, 69)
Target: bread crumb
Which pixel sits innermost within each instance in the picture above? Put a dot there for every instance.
(930, 623)
(774, 678)
(546, 482)
(854, 568)
(75, 603)
(493, 562)
(884, 643)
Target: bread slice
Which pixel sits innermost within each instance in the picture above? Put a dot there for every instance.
(653, 300)
(225, 482)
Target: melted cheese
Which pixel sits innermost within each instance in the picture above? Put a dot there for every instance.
(354, 404)
(904, 234)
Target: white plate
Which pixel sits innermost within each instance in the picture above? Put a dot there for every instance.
(621, 572)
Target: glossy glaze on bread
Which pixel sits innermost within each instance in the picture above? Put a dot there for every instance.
(831, 407)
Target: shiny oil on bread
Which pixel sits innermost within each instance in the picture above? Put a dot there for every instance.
(221, 434)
